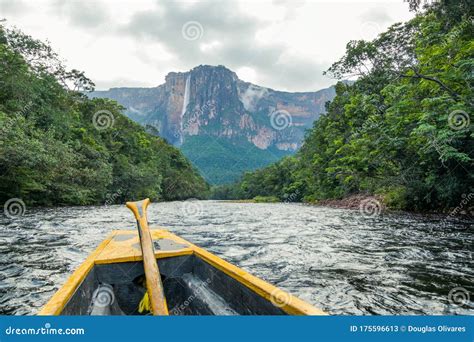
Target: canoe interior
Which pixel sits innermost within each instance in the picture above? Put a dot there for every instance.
(191, 285)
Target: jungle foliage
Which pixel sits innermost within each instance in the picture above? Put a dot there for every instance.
(57, 147)
(403, 130)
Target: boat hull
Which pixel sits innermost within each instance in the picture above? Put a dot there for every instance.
(196, 282)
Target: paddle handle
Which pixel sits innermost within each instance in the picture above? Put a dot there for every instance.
(152, 272)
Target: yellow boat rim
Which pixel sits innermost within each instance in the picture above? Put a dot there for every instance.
(123, 246)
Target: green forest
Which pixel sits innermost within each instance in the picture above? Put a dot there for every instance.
(57, 147)
(401, 131)
(223, 161)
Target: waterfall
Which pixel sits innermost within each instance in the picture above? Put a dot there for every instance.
(185, 105)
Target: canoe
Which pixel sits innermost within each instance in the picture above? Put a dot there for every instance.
(111, 282)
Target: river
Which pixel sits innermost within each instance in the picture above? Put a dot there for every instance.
(340, 260)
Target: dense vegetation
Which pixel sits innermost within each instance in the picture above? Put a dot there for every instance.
(59, 147)
(223, 161)
(402, 130)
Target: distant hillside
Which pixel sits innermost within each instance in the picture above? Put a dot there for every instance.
(223, 124)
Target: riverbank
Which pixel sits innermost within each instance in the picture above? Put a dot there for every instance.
(370, 203)
(354, 202)
(351, 202)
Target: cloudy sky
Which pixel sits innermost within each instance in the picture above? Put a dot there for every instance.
(285, 45)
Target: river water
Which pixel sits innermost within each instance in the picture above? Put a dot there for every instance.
(339, 260)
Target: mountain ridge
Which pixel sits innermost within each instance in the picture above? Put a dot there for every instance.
(212, 102)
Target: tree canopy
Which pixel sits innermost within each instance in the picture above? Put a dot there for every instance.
(402, 129)
(59, 147)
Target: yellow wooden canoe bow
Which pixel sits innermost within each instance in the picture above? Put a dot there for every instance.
(181, 278)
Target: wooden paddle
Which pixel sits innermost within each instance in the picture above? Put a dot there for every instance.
(152, 273)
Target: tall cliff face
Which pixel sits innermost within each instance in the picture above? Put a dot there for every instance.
(210, 109)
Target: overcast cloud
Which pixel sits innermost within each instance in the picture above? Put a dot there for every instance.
(284, 45)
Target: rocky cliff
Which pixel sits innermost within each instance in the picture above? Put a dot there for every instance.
(210, 106)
